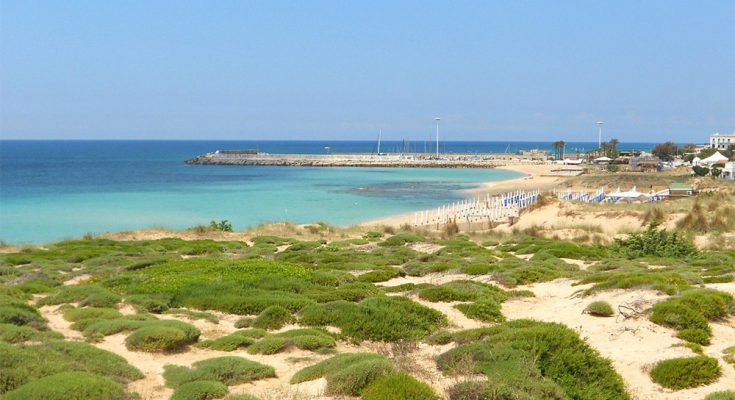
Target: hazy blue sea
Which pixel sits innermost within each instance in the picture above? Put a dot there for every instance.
(51, 190)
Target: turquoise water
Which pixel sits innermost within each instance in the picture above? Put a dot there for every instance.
(56, 190)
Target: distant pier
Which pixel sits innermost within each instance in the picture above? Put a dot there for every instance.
(420, 160)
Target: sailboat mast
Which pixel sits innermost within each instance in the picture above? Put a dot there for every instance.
(380, 132)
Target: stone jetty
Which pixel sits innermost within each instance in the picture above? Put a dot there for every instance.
(233, 157)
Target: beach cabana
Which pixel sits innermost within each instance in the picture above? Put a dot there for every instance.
(602, 160)
(713, 159)
(631, 195)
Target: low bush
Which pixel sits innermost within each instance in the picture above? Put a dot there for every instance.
(200, 390)
(304, 339)
(24, 364)
(346, 374)
(532, 359)
(686, 372)
(380, 275)
(269, 345)
(655, 242)
(21, 314)
(244, 322)
(398, 386)
(599, 309)
(70, 385)
(482, 310)
(76, 314)
(85, 295)
(378, 318)
(10, 333)
(183, 312)
(229, 342)
(729, 355)
(725, 395)
(154, 303)
(401, 239)
(690, 312)
(159, 337)
(273, 317)
(227, 370)
(463, 290)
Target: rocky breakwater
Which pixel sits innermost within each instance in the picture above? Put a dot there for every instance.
(343, 160)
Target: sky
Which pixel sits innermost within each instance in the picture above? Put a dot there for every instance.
(492, 70)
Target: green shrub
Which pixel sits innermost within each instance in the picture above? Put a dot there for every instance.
(482, 310)
(273, 317)
(244, 322)
(227, 370)
(183, 312)
(686, 372)
(729, 355)
(680, 315)
(725, 395)
(19, 334)
(378, 318)
(200, 390)
(532, 388)
(159, 338)
(463, 290)
(534, 359)
(86, 295)
(346, 374)
(70, 385)
(21, 314)
(655, 242)
(269, 345)
(599, 309)
(713, 304)
(154, 303)
(398, 386)
(76, 314)
(380, 275)
(401, 239)
(229, 342)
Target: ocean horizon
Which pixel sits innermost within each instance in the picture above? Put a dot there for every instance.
(57, 189)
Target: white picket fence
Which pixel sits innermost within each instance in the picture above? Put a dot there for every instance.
(583, 196)
(480, 209)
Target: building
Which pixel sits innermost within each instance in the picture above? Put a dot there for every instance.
(722, 141)
(680, 190)
(645, 164)
(728, 172)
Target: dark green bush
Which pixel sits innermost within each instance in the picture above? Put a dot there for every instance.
(377, 318)
(398, 386)
(86, 295)
(227, 370)
(160, 338)
(686, 372)
(304, 339)
(599, 309)
(346, 374)
(726, 395)
(655, 242)
(244, 322)
(70, 385)
(23, 364)
(689, 313)
(542, 360)
(401, 239)
(273, 317)
(18, 313)
(229, 342)
(463, 291)
(482, 310)
(76, 314)
(19, 334)
(200, 390)
(380, 275)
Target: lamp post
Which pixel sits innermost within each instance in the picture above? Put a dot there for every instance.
(599, 134)
(437, 119)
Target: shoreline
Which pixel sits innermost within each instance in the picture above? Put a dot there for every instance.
(536, 176)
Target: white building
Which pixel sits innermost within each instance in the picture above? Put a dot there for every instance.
(728, 172)
(721, 141)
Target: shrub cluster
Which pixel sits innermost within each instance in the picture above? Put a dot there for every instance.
(655, 242)
(273, 317)
(346, 374)
(70, 385)
(398, 386)
(530, 359)
(686, 372)
(599, 309)
(690, 312)
(378, 318)
(225, 370)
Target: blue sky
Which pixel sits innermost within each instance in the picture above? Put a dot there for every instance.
(501, 70)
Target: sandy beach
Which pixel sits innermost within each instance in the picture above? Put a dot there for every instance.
(537, 176)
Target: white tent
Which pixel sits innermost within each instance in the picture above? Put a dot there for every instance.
(631, 194)
(696, 161)
(713, 159)
(603, 159)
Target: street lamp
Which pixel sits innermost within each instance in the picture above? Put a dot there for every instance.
(437, 119)
(599, 134)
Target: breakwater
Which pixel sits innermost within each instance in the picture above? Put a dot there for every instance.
(348, 160)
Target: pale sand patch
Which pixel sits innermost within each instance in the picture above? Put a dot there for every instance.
(633, 345)
(583, 265)
(427, 248)
(78, 279)
(56, 322)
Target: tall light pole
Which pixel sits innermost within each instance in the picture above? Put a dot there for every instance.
(599, 134)
(437, 119)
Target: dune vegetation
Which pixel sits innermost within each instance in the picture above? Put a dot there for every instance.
(329, 305)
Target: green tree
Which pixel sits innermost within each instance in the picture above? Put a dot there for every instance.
(666, 151)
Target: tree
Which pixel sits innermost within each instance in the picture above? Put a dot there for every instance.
(700, 171)
(559, 149)
(666, 151)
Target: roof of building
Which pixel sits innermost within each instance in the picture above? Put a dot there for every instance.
(680, 186)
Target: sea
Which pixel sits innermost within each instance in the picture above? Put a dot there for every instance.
(54, 190)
